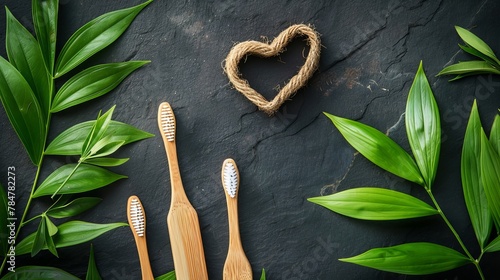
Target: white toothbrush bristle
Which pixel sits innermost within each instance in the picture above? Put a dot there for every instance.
(137, 217)
(167, 122)
(230, 179)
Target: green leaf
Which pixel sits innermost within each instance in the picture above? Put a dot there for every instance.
(475, 52)
(106, 162)
(495, 134)
(378, 148)
(494, 245)
(97, 132)
(45, 14)
(423, 126)
(23, 110)
(105, 147)
(4, 215)
(474, 196)
(92, 271)
(42, 239)
(476, 43)
(490, 177)
(25, 54)
(263, 275)
(70, 141)
(168, 276)
(92, 83)
(95, 36)
(69, 234)
(375, 204)
(49, 242)
(412, 258)
(469, 67)
(74, 207)
(52, 229)
(86, 178)
(39, 273)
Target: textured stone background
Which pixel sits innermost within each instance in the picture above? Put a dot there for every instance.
(369, 56)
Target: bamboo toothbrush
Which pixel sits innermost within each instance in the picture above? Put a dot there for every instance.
(237, 265)
(137, 221)
(182, 220)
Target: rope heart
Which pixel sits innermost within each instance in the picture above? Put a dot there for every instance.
(277, 46)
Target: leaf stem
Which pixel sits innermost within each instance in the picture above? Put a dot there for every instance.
(455, 233)
(67, 178)
(27, 207)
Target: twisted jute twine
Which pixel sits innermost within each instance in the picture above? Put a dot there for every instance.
(277, 46)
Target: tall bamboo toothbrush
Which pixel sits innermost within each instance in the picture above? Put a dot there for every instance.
(137, 221)
(237, 265)
(182, 220)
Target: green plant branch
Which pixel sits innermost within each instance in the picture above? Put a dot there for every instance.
(455, 233)
(27, 207)
(37, 175)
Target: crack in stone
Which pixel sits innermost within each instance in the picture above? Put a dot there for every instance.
(477, 12)
(366, 107)
(332, 188)
(396, 126)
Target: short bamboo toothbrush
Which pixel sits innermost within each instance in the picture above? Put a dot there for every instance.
(182, 220)
(237, 265)
(137, 220)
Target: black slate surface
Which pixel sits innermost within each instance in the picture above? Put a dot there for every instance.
(370, 53)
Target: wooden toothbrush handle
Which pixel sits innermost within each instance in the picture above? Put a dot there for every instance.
(186, 242)
(142, 249)
(234, 226)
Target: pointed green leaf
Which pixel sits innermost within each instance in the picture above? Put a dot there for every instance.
(97, 132)
(475, 52)
(39, 239)
(106, 162)
(423, 126)
(495, 134)
(49, 242)
(378, 148)
(464, 68)
(474, 196)
(39, 273)
(92, 83)
(92, 271)
(494, 245)
(167, 276)
(85, 178)
(4, 215)
(45, 14)
(23, 110)
(69, 234)
(476, 43)
(412, 258)
(95, 36)
(375, 204)
(52, 229)
(105, 147)
(263, 275)
(73, 207)
(25, 54)
(70, 142)
(490, 177)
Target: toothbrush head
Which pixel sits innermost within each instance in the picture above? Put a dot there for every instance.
(137, 218)
(230, 177)
(166, 120)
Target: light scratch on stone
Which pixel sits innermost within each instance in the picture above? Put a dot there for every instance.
(396, 125)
